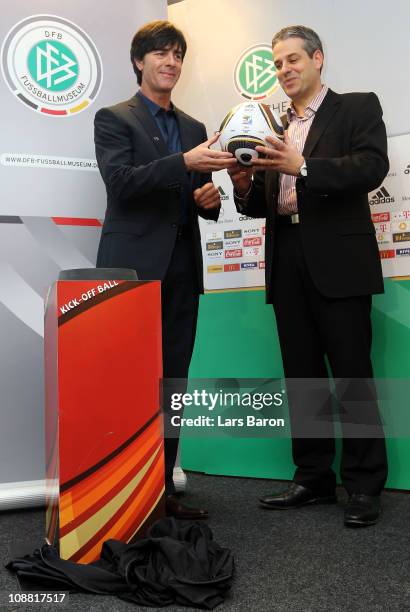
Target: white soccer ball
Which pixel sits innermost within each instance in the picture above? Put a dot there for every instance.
(245, 127)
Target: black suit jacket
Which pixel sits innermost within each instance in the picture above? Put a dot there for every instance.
(346, 157)
(144, 182)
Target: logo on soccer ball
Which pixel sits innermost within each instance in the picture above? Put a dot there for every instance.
(51, 65)
(255, 73)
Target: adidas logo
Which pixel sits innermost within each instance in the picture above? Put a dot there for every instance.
(382, 197)
(223, 194)
(407, 170)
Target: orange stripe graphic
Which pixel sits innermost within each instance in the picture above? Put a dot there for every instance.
(129, 511)
(113, 485)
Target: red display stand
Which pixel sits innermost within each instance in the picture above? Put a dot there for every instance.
(104, 442)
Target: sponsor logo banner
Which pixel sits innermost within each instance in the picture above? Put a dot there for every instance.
(251, 231)
(381, 217)
(402, 252)
(249, 265)
(383, 238)
(252, 252)
(387, 254)
(215, 255)
(215, 269)
(232, 267)
(222, 194)
(257, 241)
(382, 196)
(231, 253)
(261, 265)
(382, 227)
(233, 243)
(214, 236)
(401, 226)
(216, 245)
(402, 237)
(403, 215)
(233, 234)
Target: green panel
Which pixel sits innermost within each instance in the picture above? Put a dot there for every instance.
(391, 331)
(391, 359)
(237, 339)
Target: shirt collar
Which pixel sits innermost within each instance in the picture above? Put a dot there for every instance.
(153, 107)
(312, 107)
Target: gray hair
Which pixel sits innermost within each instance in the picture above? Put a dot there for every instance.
(311, 41)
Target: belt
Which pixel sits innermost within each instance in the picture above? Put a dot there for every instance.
(288, 219)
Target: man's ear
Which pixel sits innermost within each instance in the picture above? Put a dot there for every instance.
(318, 59)
(139, 64)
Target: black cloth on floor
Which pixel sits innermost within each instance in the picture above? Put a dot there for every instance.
(177, 563)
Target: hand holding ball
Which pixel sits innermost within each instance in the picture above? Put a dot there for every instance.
(245, 127)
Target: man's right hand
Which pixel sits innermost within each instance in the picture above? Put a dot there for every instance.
(241, 177)
(204, 159)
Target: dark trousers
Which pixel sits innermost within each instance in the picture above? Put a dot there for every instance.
(180, 299)
(310, 327)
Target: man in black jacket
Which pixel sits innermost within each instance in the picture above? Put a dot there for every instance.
(156, 163)
(322, 267)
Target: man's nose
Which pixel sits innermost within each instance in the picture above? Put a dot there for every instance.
(285, 68)
(171, 59)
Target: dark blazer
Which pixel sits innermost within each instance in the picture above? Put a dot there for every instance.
(346, 157)
(144, 183)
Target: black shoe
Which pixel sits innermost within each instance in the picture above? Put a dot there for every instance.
(362, 510)
(173, 507)
(294, 497)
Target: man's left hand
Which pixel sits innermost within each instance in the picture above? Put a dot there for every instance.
(281, 156)
(207, 196)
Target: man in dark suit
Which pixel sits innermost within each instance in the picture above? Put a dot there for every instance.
(156, 163)
(322, 267)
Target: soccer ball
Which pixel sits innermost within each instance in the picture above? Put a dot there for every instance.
(245, 127)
